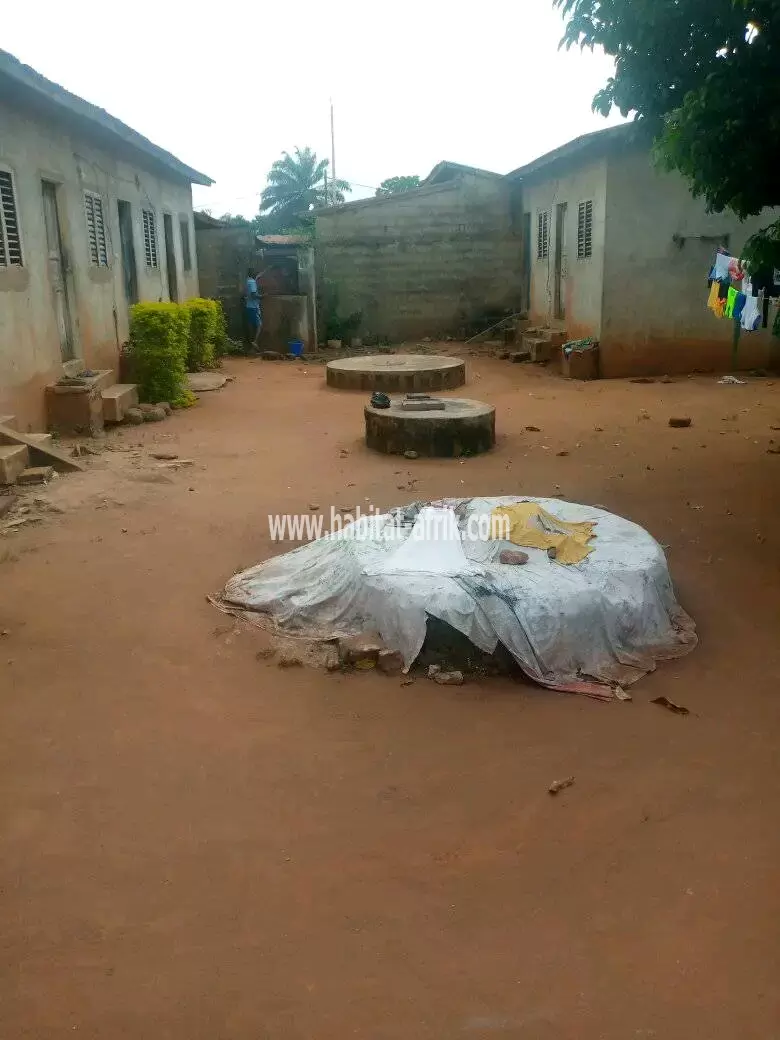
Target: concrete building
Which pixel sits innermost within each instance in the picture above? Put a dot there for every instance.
(441, 258)
(620, 251)
(94, 217)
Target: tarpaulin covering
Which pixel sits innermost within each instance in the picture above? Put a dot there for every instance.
(586, 627)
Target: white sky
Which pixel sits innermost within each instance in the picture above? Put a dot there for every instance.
(227, 89)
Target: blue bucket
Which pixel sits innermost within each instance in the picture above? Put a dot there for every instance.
(295, 347)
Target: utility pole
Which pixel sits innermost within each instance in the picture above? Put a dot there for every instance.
(332, 153)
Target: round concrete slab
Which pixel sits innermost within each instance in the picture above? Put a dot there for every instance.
(396, 372)
(200, 382)
(462, 427)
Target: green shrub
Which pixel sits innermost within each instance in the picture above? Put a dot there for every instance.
(204, 333)
(223, 344)
(158, 345)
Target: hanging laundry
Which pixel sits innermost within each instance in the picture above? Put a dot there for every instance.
(736, 269)
(720, 269)
(731, 300)
(713, 302)
(751, 314)
(739, 306)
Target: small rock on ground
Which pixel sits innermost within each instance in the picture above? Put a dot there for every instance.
(390, 662)
(448, 678)
(680, 422)
(134, 416)
(411, 455)
(154, 414)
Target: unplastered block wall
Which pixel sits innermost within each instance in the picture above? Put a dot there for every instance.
(660, 247)
(425, 262)
(582, 278)
(35, 148)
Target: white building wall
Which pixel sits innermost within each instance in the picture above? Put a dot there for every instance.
(582, 279)
(660, 246)
(35, 150)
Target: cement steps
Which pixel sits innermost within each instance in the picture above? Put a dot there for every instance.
(117, 399)
(10, 421)
(14, 460)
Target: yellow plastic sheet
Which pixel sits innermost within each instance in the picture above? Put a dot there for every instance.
(535, 528)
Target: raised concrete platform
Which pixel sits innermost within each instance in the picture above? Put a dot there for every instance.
(117, 399)
(463, 427)
(396, 373)
(14, 460)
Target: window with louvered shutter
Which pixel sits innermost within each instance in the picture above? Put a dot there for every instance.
(96, 229)
(150, 238)
(585, 230)
(543, 235)
(10, 239)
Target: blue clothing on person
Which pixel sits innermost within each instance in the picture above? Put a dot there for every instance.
(252, 294)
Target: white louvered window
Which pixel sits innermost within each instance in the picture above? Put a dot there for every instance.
(585, 230)
(543, 235)
(96, 229)
(10, 239)
(150, 238)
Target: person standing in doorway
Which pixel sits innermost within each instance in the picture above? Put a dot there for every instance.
(252, 310)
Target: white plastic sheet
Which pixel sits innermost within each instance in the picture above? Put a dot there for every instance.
(585, 628)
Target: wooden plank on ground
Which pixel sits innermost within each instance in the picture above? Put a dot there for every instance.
(40, 453)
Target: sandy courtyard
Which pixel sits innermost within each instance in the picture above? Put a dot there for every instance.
(199, 845)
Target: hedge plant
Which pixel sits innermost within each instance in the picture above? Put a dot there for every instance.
(159, 340)
(205, 330)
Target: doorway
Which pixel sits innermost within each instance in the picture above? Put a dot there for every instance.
(560, 260)
(526, 284)
(170, 259)
(127, 251)
(58, 269)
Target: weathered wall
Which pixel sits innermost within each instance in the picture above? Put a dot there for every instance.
(224, 254)
(34, 149)
(426, 262)
(582, 278)
(659, 249)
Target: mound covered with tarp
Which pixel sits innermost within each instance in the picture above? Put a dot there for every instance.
(591, 611)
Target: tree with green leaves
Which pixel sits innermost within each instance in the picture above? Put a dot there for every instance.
(396, 185)
(702, 77)
(298, 184)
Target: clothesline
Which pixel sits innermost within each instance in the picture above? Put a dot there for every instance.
(734, 295)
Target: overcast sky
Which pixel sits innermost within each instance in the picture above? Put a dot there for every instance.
(227, 88)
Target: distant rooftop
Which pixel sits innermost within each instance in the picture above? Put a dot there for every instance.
(580, 148)
(13, 74)
(446, 171)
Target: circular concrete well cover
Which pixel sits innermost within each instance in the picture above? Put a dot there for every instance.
(461, 427)
(396, 372)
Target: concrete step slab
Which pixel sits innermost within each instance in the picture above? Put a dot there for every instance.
(117, 399)
(14, 460)
(10, 421)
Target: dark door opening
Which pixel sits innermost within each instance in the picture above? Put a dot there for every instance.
(58, 269)
(170, 259)
(560, 259)
(526, 284)
(127, 250)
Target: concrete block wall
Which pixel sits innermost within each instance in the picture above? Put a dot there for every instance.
(426, 262)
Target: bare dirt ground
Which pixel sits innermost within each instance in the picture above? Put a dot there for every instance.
(198, 845)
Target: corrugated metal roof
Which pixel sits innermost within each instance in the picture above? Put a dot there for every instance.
(579, 148)
(37, 86)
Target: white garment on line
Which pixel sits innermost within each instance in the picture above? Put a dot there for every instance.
(751, 314)
(721, 267)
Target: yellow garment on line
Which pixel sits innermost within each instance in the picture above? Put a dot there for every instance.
(535, 528)
(713, 301)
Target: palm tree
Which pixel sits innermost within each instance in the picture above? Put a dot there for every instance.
(297, 184)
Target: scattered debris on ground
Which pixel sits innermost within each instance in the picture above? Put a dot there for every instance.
(560, 785)
(664, 702)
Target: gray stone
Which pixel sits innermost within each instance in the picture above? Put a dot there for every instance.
(390, 662)
(154, 414)
(411, 455)
(513, 557)
(134, 416)
(448, 678)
